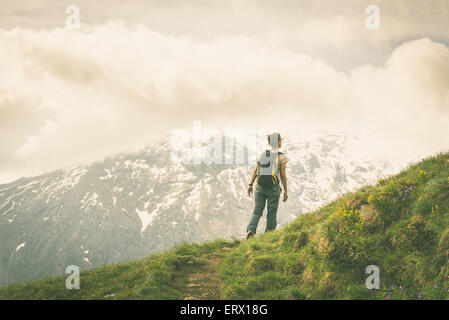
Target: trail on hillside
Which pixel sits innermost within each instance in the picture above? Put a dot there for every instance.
(203, 281)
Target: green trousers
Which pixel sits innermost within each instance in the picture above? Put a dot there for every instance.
(261, 198)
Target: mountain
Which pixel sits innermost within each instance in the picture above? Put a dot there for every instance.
(399, 226)
(128, 206)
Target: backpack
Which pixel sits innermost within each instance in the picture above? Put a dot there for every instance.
(268, 168)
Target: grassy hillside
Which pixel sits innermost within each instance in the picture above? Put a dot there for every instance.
(400, 225)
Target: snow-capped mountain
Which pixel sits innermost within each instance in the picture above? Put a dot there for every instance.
(130, 205)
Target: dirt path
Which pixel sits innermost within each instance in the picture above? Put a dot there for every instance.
(203, 282)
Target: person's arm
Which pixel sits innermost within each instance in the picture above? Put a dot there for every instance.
(253, 177)
(284, 180)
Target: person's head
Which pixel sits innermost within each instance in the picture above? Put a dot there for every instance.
(274, 140)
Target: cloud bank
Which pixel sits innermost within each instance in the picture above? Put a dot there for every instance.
(68, 97)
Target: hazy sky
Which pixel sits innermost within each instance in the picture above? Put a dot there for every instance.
(139, 69)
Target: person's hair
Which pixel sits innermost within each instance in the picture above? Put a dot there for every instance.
(273, 139)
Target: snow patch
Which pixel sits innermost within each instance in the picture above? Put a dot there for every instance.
(146, 218)
(12, 207)
(108, 176)
(91, 201)
(28, 185)
(20, 246)
(69, 179)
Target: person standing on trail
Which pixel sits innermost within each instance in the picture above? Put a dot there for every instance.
(270, 169)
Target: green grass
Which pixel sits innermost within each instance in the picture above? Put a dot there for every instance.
(159, 276)
(320, 255)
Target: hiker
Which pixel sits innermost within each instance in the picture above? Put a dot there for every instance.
(270, 169)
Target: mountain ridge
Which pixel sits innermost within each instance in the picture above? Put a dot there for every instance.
(132, 204)
(399, 225)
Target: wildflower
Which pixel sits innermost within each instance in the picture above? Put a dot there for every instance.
(434, 209)
(436, 285)
(420, 295)
(405, 192)
(388, 297)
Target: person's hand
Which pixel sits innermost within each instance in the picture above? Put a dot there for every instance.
(250, 190)
(285, 196)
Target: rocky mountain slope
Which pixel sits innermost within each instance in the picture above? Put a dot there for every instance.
(130, 205)
(399, 226)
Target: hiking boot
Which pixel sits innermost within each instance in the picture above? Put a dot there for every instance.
(249, 234)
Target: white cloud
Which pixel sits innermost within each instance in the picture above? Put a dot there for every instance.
(71, 96)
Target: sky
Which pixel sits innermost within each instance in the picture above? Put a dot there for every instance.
(137, 70)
